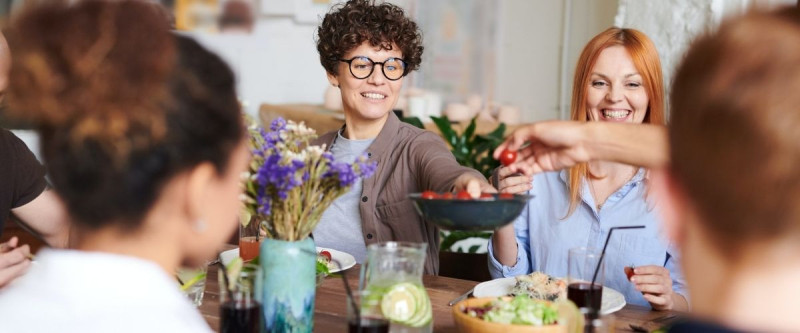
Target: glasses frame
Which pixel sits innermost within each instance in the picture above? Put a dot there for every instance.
(372, 69)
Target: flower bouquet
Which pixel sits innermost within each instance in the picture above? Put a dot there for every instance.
(288, 187)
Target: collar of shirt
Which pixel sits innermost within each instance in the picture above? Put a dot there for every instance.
(588, 198)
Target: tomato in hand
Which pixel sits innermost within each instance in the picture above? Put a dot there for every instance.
(429, 195)
(463, 195)
(487, 196)
(506, 196)
(629, 272)
(508, 157)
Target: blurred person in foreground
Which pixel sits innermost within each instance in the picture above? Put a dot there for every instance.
(23, 193)
(617, 80)
(145, 145)
(728, 179)
(367, 49)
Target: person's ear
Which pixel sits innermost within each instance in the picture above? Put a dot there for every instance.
(198, 192)
(673, 204)
(333, 79)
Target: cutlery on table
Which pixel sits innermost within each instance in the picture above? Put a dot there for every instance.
(461, 297)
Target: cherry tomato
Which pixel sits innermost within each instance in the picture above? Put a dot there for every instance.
(446, 195)
(506, 196)
(629, 272)
(429, 195)
(487, 196)
(325, 254)
(507, 157)
(463, 195)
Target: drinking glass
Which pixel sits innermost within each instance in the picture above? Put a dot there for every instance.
(250, 238)
(364, 313)
(581, 265)
(595, 323)
(240, 301)
(193, 282)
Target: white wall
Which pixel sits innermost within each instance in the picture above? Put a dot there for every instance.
(531, 55)
(538, 48)
(672, 25)
(279, 63)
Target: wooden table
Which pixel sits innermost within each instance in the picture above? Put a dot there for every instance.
(330, 309)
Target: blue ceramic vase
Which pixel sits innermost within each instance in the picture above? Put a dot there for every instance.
(289, 284)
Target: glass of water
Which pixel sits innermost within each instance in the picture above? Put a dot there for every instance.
(193, 282)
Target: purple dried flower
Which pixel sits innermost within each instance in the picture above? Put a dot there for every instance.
(278, 124)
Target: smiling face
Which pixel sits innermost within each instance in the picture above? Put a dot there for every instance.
(369, 99)
(616, 91)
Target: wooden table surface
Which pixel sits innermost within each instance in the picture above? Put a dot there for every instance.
(330, 309)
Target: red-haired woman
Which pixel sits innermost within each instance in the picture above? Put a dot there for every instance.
(617, 79)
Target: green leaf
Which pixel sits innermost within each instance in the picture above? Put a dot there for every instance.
(322, 268)
(470, 131)
(444, 126)
(498, 132)
(455, 236)
(473, 249)
(414, 121)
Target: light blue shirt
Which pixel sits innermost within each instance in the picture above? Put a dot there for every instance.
(544, 236)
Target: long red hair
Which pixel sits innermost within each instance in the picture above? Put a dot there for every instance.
(645, 59)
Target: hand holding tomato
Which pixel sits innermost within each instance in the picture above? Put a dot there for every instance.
(508, 157)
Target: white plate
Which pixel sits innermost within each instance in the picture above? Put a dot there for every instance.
(612, 300)
(345, 259)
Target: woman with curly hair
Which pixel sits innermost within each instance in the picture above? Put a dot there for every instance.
(367, 49)
(144, 140)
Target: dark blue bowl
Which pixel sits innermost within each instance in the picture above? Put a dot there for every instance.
(475, 214)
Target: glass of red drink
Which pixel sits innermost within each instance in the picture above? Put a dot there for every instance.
(582, 262)
(364, 313)
(250, 237)
(240, 301)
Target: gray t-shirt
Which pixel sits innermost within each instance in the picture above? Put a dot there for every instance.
(339, 227)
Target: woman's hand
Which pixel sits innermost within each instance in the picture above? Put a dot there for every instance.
(655, 285)
(14, 260)
(473, 185)
(512, 182)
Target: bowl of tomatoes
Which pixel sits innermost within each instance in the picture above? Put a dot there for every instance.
(459, 211)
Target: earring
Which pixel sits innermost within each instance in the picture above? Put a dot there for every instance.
(199, 225)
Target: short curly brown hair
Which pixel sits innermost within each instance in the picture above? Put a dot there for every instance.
(350, 24)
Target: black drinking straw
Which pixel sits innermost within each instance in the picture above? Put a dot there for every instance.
(346, 289)
(602, 255)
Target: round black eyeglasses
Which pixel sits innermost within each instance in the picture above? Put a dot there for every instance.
(362, 67)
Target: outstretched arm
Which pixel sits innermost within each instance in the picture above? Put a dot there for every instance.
(555, 145)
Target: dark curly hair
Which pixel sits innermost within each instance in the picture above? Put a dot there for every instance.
(350, 24)
(122, 104)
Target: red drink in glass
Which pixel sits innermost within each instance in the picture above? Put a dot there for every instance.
(585, 295)
(249, 247)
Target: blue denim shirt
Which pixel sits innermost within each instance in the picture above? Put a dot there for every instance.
(544, 236)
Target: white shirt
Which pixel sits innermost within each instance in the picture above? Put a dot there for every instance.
(77, 291)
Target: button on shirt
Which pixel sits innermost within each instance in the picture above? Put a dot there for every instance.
(544, 236)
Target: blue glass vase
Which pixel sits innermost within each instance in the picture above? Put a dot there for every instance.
(289, 284)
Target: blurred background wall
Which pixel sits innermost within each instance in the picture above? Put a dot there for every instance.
(519, 53)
